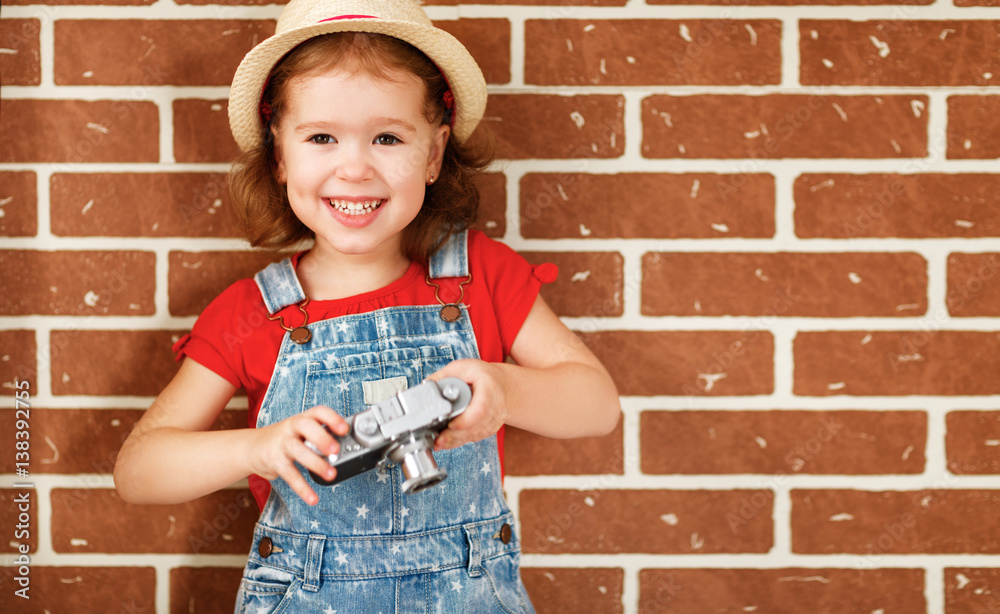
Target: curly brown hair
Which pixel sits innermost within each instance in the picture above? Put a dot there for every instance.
(451, 203)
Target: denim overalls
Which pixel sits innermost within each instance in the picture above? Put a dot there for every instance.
(366, 546)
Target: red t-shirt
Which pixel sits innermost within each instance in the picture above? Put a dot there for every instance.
(234, 338)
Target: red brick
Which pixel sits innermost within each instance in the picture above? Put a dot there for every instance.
(781, 442)
(153, 52)
(977, 2)
(783, 284)
(555, 590)
(973, 284)
(18, 351)
(972, 442)
(195, 278)
(617, 52)
(790, 589)
(119, 589)
(897, 52)
(18, 204)
(971, 589)
(645, 521)
(590, 284)
(201, 131)
(72, 441)
(203, 589)
(112, 362)
(551, 126)
(922, 362)
(97, 520)
(880, 523)
(79, 283)
(20, 63)
(842, 206)
(973, 127)
(488, 40)
(665, 206)
(20, 517)
(687, 363)
(142, 205)
(784, 126)
(79, 131)
(492, 218)
(529, 454)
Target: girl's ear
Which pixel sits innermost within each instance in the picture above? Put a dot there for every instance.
(280, 163)
(439, 142)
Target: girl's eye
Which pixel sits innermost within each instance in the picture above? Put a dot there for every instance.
(321, 139)
(387, 139)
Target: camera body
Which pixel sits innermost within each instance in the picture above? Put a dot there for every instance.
(400, 430)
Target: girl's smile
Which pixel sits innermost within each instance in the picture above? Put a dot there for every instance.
(355, 153)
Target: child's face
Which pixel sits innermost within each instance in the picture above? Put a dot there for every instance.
(355, 153)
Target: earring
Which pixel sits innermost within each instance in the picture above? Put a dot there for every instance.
(431, 180)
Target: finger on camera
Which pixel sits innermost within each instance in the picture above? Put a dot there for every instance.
(317, 463)
(327, 416)
(320, 437)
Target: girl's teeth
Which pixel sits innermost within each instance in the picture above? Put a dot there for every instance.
(353, 207)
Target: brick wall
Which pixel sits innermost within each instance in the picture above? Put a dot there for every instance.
(778, 228)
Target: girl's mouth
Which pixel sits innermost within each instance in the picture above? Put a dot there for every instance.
(354, 207)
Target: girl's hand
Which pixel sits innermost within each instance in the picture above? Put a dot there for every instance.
(276, 448)
(487, 411)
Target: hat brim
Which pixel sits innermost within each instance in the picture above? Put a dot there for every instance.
(459, 68)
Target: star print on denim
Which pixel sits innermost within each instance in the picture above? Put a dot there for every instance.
(342, 558)
(381, 477)
(396, 549)
(343, 327)
(472, 508)
(343, 386)
(329, 610)
(314, 524)
(456, 586)
(363, 511)
(486, 468)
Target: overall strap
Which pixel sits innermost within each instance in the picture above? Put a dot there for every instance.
(279, 286)
(452, 258)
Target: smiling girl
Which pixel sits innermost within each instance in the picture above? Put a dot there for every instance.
(355, 118)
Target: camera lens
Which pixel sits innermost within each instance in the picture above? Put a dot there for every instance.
(414, 454)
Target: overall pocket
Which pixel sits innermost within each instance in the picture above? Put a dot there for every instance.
(340, 382)
(504, 573)
(266, 590)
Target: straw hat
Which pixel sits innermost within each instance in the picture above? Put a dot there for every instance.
(402, 19)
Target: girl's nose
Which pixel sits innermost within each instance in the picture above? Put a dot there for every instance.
(355, 165)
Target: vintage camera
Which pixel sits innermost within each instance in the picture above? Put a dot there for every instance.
(400, 430)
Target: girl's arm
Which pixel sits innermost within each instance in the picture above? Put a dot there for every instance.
(558, 388)
(171, 456)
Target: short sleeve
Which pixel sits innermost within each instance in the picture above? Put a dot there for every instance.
(514, 285)
(210, 342)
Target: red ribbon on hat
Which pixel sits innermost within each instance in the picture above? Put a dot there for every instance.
(348, 17)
